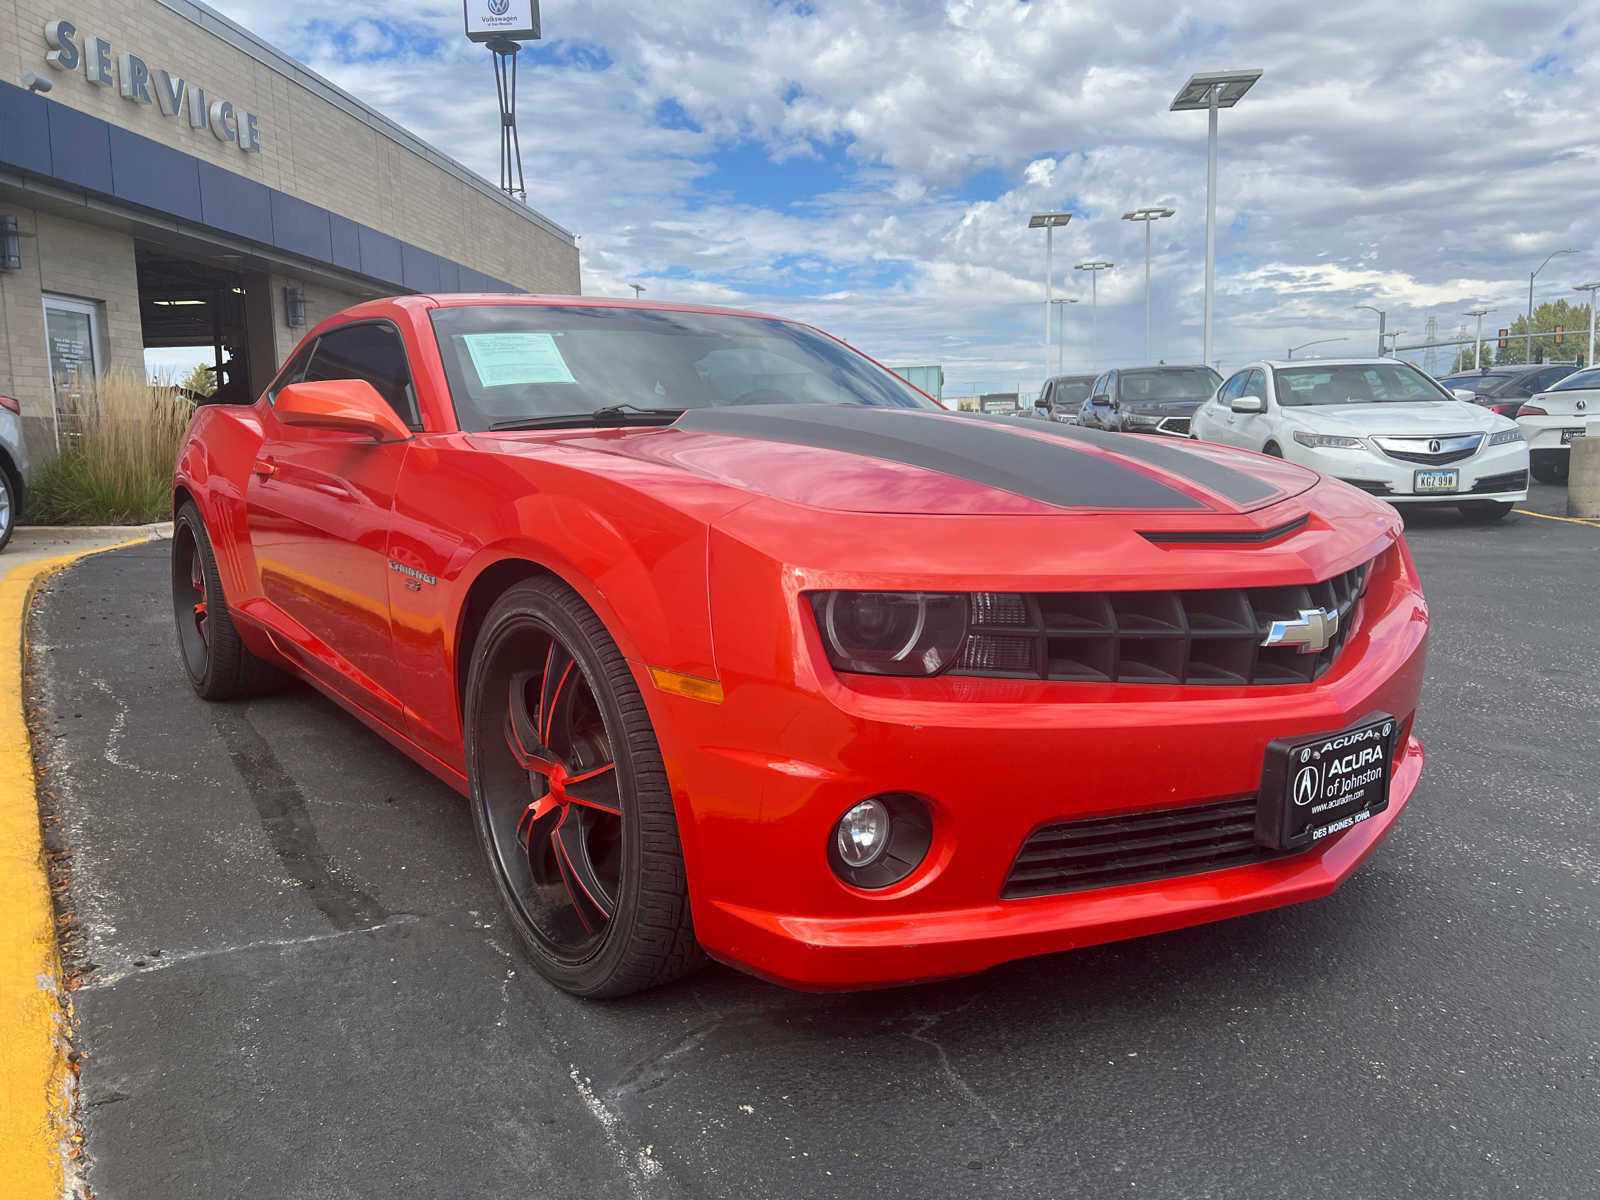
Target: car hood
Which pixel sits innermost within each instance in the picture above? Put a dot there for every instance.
(1366, 420)
(857, 459)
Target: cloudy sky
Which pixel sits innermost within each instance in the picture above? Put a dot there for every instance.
(870, 164)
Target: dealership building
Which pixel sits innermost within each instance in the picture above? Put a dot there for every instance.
(167, 179)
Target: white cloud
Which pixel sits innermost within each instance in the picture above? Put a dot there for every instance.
(1414, 160)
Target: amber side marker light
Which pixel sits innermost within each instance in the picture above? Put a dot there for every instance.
(692, 686)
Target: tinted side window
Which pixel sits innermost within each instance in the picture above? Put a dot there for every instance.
(1553, 375)
(1232, 388)
(372, 352)
(1256, 385)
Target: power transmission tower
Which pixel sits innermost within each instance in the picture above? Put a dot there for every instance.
(1430, 356)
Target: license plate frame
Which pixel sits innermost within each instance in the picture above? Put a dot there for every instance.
(1568, 435)
(1436, 481)
(1305, 791)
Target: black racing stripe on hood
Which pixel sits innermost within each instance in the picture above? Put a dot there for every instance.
(994, 453)
(1241, 487)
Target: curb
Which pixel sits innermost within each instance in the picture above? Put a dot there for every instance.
(156, 529)
(36, 1086)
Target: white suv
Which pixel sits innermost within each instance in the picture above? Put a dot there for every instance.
(13, 467)
(1550, 420)
(1380, 425)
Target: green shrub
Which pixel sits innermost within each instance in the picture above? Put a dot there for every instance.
(115, 467)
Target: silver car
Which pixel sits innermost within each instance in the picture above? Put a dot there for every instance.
(13, 467)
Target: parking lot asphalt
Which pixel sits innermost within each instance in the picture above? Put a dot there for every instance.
(295, 980)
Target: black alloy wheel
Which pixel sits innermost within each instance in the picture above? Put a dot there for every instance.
(570, 798)
(217, 662)
(8, 507)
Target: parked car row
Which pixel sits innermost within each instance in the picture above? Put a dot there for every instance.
(1157, 400)
(1551, 405)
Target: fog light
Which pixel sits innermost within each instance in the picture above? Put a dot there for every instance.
(880, 840)
(863, 834)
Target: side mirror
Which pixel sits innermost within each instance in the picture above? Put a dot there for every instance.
(1100, 400)
(1248, 404)
(348, 405)
(1464, 394)
(1042, 404)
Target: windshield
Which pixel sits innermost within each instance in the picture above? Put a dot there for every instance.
(509, 362)
(1356, 383)
(1167, 383)
(1579, 379)
(1072, 391)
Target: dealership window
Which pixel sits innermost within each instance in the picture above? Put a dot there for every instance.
(74, 342)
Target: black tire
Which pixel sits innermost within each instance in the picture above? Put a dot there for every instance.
(1485, 512)
(8, 505)
(218, 664)
(1271, 449)
(1550, 470)
(591, 877)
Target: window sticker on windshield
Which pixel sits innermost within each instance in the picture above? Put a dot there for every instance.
(505, 359)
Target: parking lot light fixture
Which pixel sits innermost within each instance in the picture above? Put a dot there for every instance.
(1094, 267)
(1212, 91)
(1591, 288)
(1318, 342)
(1147, 215)
(1477, 338)
(1049, 222)
(1532, 275)
(1383, 318)
(1061, 303)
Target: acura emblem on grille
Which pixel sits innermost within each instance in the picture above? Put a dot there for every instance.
(1433, 446)
(1313, 630)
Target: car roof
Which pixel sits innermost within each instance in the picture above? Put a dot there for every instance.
(1370, 361)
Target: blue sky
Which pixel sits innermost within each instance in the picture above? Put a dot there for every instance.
(869, 165)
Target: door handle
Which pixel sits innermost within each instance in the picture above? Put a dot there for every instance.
(264, 467)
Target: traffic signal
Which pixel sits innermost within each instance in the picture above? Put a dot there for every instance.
(1504, 333)
(1558, 335)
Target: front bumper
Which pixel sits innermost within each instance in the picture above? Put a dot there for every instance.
(760, 780)
(1493, 473)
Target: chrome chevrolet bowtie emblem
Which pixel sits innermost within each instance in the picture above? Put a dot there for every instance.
(1313, 630)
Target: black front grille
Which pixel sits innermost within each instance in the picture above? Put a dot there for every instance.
(1211, 636)
(1176, 426)
(1070, 856)
(1511, 481)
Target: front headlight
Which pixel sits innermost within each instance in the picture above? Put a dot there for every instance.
(891, 633)
(1506, 436)
(1328, 441)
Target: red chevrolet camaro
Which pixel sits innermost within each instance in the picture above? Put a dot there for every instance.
(739, 645)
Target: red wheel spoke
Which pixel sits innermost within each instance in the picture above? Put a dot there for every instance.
(522, 734)
(558, 668)
(589, 896)
(596, 788)
(540, 808)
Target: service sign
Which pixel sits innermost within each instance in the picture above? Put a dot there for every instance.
(514, 19)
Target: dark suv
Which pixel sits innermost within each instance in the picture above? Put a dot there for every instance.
(1149, 399)
(1503, 389)
(1062, 396)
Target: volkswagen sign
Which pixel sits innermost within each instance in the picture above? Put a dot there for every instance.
(516, 20)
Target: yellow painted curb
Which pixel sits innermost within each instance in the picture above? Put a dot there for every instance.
(1550, 517)
(35, 1088)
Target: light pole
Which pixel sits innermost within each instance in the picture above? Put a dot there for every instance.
(1219, 89)
(1049, 222)
(1383, 317)
(638, 289)
(1477, 337)
(1532, 275)
(1394, 347)
(1318, 342)
(1591, 288)
(1094, 267)
(1147, 215)
(1060, 302)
